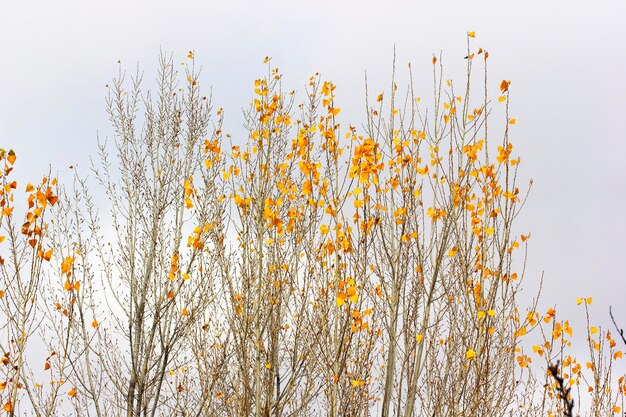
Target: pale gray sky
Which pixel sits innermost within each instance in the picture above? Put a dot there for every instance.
(566, 60)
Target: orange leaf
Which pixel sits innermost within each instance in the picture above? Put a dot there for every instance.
(94, 324)
(8, 407)
(11, 158)
(66, 265)
(72, 392)
(45, 255)
(471, 34)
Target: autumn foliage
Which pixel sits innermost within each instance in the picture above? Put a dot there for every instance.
(311, 268)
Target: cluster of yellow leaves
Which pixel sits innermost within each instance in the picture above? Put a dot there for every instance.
(358, 322)
(347, 292)
(190, 192)
(342, 240)
(213, 151)
(174, 266)
(366, 163)
(196, 239)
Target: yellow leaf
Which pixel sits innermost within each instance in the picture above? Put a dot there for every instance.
(471, 34)
(512, 121)
(419, 338)
(579, 301)
(489, 230)
(589, 300)
(379, 98)
(593, 330)
(190, 55)
(470, 354)
(340, 301)
(501, 98)
(357, 383)
(481, 314)
(491, 312)
(268, 365)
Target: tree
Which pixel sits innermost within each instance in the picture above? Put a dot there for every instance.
(312, 269)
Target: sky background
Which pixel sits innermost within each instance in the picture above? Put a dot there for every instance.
(566, 61)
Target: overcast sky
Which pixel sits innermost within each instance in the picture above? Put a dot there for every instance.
(566, 61)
